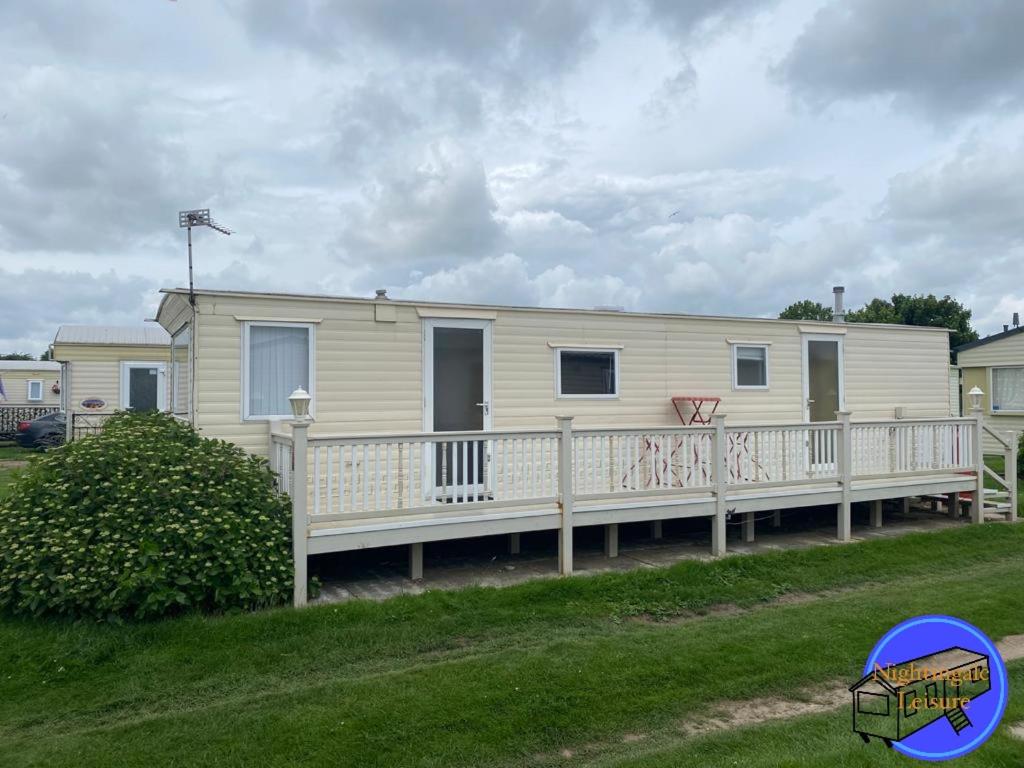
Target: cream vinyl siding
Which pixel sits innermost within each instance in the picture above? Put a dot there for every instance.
(95, 371)
(1008, 351)
(368, 373)
(16, 387)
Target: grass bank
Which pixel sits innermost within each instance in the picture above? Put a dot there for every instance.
(483, 677)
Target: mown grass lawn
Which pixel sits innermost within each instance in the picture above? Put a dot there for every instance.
(487, 677)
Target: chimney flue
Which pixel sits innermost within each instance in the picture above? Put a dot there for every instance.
(1005, 327)
(382, 293)
(838, 313)
(1016, 319)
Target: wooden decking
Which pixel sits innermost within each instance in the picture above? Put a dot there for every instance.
(356, 492)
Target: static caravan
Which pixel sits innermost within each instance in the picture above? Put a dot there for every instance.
(995, 364)
(433, 421)
(377, 365)
(897, 701)
(108, 368)
(29, 383)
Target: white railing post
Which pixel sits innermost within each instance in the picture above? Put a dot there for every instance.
(845, 474)
(565, 494)
(978, 494)
(720, 477)
(1011, 475)
(300, 526)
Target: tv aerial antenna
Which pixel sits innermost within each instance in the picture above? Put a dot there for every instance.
(199, 217)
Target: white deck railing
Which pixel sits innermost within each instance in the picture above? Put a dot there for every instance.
(383, 475)
(358, 477)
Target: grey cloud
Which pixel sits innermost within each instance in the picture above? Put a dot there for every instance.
(88, 164)
(510, 42)
(972, 197)
(676, 93)
(943, 58)
(45, 299)
(440, 212)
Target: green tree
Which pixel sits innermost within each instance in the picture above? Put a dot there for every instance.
(16, 356)
(928, 310)
(806, 310)
(47, 355)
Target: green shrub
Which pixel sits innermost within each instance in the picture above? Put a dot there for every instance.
(145, 519)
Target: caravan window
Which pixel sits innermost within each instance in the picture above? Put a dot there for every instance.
(587, 373)
(750, 366)
(181, 375)
(1008, 389)
(35, 391)
(276, 359)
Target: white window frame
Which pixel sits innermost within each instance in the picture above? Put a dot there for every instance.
(766, 346)
(591, 350)
(161, 381)
(244, 373)
(42, 393)
(173, 402)
(991, 388)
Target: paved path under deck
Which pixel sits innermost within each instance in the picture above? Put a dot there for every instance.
(383, 573)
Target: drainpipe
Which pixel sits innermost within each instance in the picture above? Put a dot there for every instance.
(838, 313)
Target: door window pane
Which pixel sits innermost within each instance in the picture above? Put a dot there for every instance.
(278, 364)
(142, 388)
(823, 379)
(1008, 389)
(458, 391)
(587, 372)
(751, 366)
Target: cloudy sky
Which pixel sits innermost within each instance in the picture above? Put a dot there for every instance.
(721, 157)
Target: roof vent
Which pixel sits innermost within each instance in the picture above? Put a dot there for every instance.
(1005, 327)
(382, 294)
(838, 313)
(1016, 319)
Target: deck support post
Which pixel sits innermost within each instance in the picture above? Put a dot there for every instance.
(611, 540)
(416, 561)
(1011, 476)
(777, 518)
(300, 522)
(513, 543)
(876, 513)
(656, 529)
(565, 494)
(719, 477)
(953, 504)
(978, 494)
(845, 474)
(748, 527)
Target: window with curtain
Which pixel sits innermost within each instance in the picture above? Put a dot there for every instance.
(750, 369)
(1008, 389)
(278, 362)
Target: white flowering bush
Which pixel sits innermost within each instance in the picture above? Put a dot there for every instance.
(145, 519)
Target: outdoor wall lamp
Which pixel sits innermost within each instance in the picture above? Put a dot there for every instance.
(299, 401)
(975, 394)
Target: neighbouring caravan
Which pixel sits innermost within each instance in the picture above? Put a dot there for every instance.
(378, 365)
(29, 383)
(995, 364)
(108, 368)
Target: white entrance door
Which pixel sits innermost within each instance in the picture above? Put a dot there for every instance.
(823, 394)
(457, 398)
(143, 386)
(823, 376)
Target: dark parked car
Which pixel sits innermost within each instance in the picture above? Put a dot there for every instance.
(45, 432)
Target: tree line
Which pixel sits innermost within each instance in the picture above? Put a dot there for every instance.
(901, 309)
